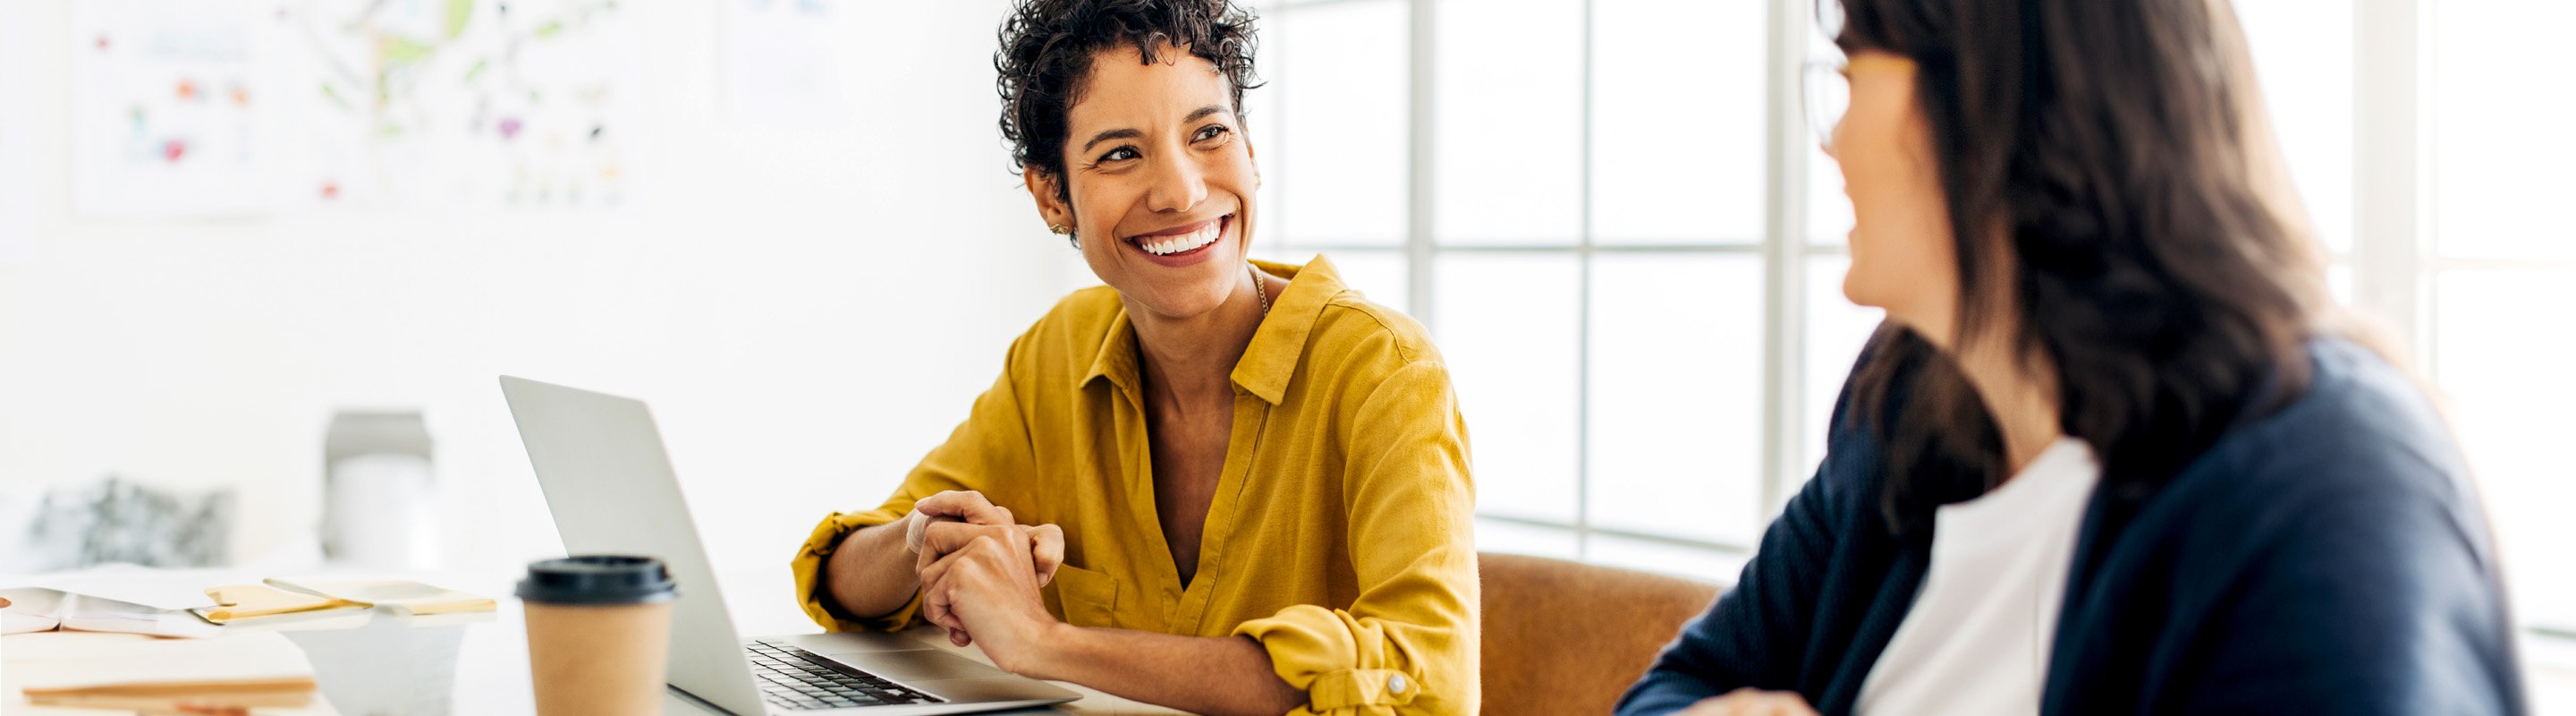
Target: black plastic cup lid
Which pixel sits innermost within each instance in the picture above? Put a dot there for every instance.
(598, 579)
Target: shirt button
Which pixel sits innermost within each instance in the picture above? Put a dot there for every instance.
(1395, 683)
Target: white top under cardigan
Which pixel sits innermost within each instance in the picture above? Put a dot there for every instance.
(1977, 639)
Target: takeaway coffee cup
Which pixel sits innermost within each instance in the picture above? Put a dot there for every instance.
(599, 628)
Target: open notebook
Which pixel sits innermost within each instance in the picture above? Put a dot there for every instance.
(40, 609)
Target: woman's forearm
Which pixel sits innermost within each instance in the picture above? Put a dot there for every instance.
(1211, 675)
(872, 573)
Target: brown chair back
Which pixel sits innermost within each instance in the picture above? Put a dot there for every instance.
(1567, 638)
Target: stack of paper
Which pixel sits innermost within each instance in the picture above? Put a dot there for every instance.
(141, 674)
(181, 696)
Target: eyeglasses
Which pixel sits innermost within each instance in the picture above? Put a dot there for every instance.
(1827, 84)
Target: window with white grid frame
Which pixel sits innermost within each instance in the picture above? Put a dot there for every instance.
(1577, 197)
(2498, 275)
(1591, 249)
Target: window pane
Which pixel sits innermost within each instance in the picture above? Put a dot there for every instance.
(2339, 283)
(1510, 108)
(1676, 390)
(2500, 147)
(2509, 389)
(1516, 538)
(1341, 84)
(1378, 275)
(1261, 120)
(1271, 251)
(2303, 57)
(1506, 325)
(1678, 560)
(1829, 212)
(1829, 215)
(1836, 330)
(1674, 164)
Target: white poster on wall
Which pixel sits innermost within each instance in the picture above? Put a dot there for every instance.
(454, 103)
(229, 107)
(177, 107)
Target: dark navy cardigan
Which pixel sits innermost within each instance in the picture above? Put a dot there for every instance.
(2328, 558)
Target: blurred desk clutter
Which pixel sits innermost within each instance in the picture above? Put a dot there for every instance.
(142, 601)
(116, 520)
(294, 646)
(378, 490)
(366, 662)
(390, 664)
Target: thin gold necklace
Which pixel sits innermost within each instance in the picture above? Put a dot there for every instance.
(1257, 289)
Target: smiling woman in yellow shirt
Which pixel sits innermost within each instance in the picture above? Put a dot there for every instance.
(1213, 484)
(1339, 534)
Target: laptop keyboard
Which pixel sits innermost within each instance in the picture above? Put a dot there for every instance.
(794, 678)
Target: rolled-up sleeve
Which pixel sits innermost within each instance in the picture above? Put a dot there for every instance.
(1408, 644)
(992, 443)
(818, 550)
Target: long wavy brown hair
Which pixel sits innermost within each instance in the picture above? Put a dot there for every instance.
(2119, 152)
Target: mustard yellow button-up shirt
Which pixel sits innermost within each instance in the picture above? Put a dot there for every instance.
(1340, 534)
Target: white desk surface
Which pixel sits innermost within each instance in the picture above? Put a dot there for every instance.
(388, 664)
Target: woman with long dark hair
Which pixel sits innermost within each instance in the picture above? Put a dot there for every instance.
(2111, 451)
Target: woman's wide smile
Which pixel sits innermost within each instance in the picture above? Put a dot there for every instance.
(1182, 245)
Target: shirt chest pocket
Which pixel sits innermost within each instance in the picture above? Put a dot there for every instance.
(1087, 598)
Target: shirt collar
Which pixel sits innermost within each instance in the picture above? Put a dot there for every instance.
(1116, 358)
(1270, 361)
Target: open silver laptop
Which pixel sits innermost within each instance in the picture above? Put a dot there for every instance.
(612, 491)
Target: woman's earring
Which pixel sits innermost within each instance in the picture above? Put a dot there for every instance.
(1067, 233)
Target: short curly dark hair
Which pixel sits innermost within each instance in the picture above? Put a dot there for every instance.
(1046, 54)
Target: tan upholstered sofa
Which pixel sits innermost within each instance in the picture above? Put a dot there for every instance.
(1567, 638)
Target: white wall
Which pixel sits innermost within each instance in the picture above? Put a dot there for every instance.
(807, 311)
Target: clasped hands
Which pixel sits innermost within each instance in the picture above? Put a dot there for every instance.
(980, 573)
